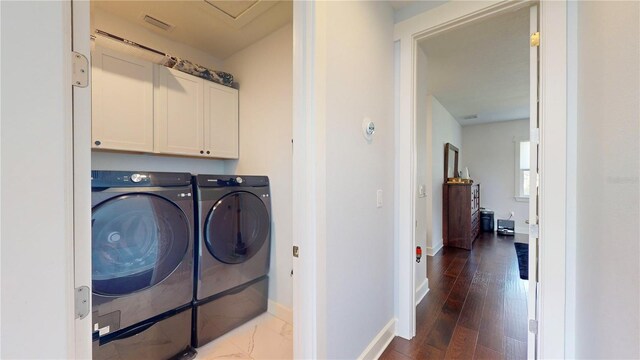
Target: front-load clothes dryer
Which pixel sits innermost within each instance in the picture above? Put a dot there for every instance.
(142, 246)
(234, 222)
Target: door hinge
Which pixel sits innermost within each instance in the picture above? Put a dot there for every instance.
(535, 136)
(81, 296)
(80, 70)
(534, 230)
(296, 251)
(533, 326)
(535, 39)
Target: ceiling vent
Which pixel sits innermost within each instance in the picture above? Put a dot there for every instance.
(157, 23)
(470, 117)
(234, 9)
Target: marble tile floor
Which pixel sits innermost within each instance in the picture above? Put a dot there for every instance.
(264, 338)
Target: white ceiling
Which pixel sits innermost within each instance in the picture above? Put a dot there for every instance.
(404, 9)
(399, 4)
(206, 27)
(482, 69)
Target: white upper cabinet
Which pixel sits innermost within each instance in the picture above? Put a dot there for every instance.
(122, 102)
(143, 107)
(178, 113)
(221, 120)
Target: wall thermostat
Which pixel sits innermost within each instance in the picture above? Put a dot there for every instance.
(368, 128)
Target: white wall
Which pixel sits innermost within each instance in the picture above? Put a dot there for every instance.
(37, 250)
(265, 73)
(118, 26)
(107, 160)
(421, 169)
(489, 153)
(608, 251)
(359, 236)
(442, 128)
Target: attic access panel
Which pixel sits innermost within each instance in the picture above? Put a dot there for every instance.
(233, 9)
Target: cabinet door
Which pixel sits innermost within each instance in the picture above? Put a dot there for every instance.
(221, 120)
(122, 102)
(178, 113)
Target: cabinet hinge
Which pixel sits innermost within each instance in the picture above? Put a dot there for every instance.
(296, 251)
(81, 296)
(535, 136)
(80, 70)
(535, 39)
(534, 230)
(533, 326)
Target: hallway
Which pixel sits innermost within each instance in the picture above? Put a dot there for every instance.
(476, 307)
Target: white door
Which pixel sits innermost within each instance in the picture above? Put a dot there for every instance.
(122, 101)
(221, 120)
(178, 113)
(533, 187)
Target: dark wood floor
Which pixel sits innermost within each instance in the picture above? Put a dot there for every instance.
(476, 307)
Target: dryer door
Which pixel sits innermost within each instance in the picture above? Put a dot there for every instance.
(237, 227)
(137, 241)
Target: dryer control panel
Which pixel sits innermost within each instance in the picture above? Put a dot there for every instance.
(227, 180)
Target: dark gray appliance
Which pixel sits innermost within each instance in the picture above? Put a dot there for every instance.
(233, 247)
(142, 246)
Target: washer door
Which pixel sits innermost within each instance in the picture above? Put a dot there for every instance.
(137, 241)
(237, 227)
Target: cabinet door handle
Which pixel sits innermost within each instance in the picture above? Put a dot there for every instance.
(201, 151)
(208, 152)
(98, 143)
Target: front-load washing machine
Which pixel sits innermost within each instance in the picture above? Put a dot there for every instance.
(142, 247)
(233, 252)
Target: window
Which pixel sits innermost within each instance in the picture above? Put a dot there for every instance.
(522, 170)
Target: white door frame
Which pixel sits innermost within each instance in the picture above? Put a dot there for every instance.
(532, 299)
(553, 159)
(80, 18)
(309, 180)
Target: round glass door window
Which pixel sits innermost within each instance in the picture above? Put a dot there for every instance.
(137, 241)
(237, 227)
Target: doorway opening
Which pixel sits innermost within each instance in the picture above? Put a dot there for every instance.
(472, 93)
(179, 88)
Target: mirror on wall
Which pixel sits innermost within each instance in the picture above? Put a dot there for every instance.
(450, 162)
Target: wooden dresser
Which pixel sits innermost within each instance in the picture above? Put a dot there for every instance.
(460, 214)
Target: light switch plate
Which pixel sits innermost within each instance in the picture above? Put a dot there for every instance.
(379, 198)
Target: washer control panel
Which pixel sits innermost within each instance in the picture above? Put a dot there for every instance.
(104, 178)
(136, 178)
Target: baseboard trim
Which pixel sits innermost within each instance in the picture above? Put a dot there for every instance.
(432, 251)
(422, 291)
(280, 311)
(379, 344)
